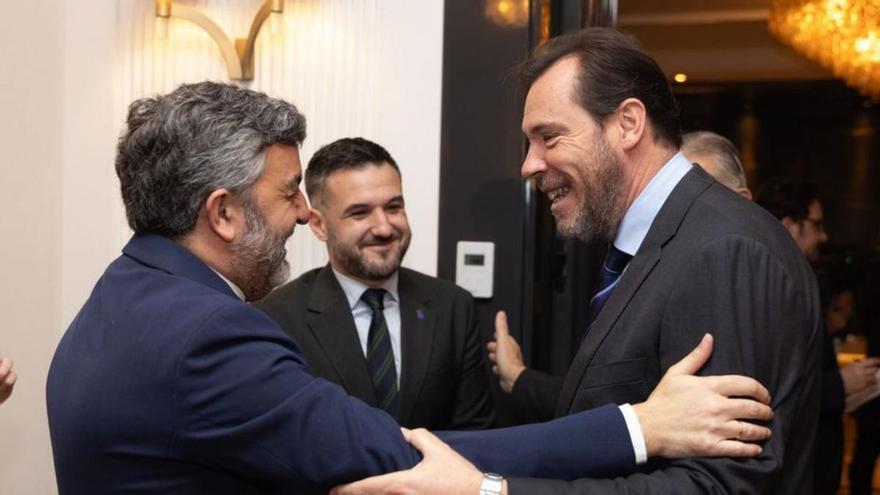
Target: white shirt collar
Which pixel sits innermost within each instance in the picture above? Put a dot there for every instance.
(641, 214)
(354, 289)
(238, 292)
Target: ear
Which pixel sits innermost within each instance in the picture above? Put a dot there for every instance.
(225, 214)
(318, 224)
(631, 122)
(745, 192)
(792, 226)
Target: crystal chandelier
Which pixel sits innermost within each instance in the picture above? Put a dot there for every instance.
(842, 35)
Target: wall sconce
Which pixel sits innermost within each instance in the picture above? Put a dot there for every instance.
(239, 57)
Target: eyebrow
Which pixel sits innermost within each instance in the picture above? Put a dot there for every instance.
(294, 182)
(542, 127)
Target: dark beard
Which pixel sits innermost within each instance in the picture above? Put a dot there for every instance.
(259, 263)
(356, 265)
(599, 218)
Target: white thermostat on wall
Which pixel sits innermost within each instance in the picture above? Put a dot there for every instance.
(475, 267)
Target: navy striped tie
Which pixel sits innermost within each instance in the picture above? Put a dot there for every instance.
(615, 262)
(380, 355)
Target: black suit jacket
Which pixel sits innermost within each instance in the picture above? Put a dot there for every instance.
(711, 262)
(443, 381)
(829, 443)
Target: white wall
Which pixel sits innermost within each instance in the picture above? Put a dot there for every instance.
(31, 138)
(354, 67)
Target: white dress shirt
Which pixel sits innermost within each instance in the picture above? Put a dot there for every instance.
(363, 315)
(235, 288)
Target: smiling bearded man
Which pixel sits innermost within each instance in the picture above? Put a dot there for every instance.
(417, 355)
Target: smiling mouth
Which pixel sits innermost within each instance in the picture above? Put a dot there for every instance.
(557, 194)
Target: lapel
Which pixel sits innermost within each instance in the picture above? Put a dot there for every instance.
(331, 323)
(418, 321)
(169, 256)
(662, 230)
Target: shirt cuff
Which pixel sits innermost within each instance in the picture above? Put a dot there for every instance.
(635, 433)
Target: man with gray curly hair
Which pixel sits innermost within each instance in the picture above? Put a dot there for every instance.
(167, 381)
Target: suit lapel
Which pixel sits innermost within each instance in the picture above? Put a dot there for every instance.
(330, 321)
(418, 323)
(662, 230)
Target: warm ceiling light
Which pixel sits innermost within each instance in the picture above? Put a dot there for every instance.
(239, 56)
(842, 35)
(508, 13)
(681, 77)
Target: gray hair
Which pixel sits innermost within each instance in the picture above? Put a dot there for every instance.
(723, 154)
(180, 147)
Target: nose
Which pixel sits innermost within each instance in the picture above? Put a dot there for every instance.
(302, 211)
(533, 164)
(381, 226)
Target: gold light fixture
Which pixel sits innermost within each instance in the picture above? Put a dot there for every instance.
(239, 56)
(842, 35)
(508, 13)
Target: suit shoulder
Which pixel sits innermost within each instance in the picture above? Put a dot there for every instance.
(293, 291)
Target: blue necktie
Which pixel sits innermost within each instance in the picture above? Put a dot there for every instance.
(615, 262)
(380, 355)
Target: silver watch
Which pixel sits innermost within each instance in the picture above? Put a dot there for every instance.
(492, 484)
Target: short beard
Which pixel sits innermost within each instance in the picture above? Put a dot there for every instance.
(599, 218)
(258, 262)
(356, 264)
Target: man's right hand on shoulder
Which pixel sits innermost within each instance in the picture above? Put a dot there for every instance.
(704, 416)
(505, 354)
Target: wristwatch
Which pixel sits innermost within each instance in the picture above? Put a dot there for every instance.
(492, 484)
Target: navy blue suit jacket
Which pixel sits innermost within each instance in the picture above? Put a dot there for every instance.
(165, 382)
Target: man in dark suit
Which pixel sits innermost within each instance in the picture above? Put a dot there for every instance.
(358, 210)
(168, 382)
(687, 255)
(535, 393)
(798, 207)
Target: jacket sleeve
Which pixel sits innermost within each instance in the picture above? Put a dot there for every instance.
(473, 408)
(589, 443)
(765, 322)
(252, 408)
(535, 395)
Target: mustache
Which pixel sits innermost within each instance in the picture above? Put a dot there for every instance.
(372, 240)
(546, 183)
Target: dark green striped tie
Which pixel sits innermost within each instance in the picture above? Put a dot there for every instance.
(380, 355)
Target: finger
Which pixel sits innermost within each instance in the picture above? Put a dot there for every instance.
(5, 366)
(492, 357)
(747, 409)
(426, 442)
(748, 432)
(492, 346)
(495, 370)
(735, 448)
(739, 386)
(692, 363)
(501, 329)
(10, 379)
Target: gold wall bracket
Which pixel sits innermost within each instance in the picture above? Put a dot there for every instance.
(239, 56)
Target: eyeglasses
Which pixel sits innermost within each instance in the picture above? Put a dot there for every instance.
(818, 223)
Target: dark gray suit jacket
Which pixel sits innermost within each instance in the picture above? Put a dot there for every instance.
(711, 262)
(443, 381)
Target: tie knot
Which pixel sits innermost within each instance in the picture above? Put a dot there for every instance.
(616, 260)
(375, 299)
